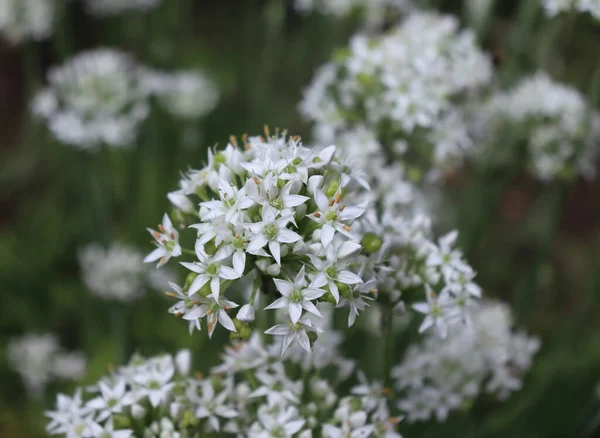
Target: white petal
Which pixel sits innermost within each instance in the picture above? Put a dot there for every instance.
(198, 283)
(275, 251)
(155, 255)
(310, 307)
(327, 233)
(257, 243)
(285, 287)
(239, 261)
(348, 277)
(293, 426)
(347, 248)
(279, 303)
(226, 321)
(287, 236)
(278, 330)
(321, 200)
(295, 310)
(294, 200)
(228, 273)
(304, 341)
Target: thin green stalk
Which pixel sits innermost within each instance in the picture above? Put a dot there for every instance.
(388, 346)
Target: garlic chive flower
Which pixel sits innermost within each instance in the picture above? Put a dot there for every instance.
(550, 121)
(253, 392)
(104, 8)
(555, 7)
(23, 20)
(271, 209)
(167, 241)
(40, 360)
(410, 90)
(487, 356)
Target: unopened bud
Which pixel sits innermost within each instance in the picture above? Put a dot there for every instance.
(246, 313)
(137, 411)
(274, 270)
(183, 361)
(332, 188)
(371, 243)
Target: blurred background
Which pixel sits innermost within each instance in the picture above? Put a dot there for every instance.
(535, 245)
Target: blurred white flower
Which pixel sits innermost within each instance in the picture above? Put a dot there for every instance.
(115, 273)
(554, 7)
(373, 12)
(114, 7)
(187, 95)
(22, 20)
(439, 376)
(95, 98)
(561, 135)
(39, 360)
(406, 93)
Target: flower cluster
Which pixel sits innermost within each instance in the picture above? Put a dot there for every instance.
(555, 7)
(373, 11)
(102, 97)
(103, 8)
(39, 360)
(186, 95)
(118, 273)
(414, 264)
(411, 88)
(94, 98)
(278, 212)
(252, 393)
(26, 19)
(485, 357)
(551, 121)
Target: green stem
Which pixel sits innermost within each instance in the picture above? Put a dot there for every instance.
(388, 346)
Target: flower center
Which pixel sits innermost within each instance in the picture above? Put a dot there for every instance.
(271, 231)
(212, 270)
(277, 203)
(296, 296)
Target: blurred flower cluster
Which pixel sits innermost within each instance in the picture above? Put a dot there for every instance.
(373, 12)
(40, 360)
(21, 20)
(410, 87)
(118, 273)
(440, 376)
(560, 135)
(102, 96)
(554, 7)
(252, 393)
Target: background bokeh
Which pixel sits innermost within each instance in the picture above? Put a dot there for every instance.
(535, 246)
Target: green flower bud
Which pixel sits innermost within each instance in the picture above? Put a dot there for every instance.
(332, 188)
(205, 290)
(238, 324)
(344, 289)
(210, 247)
(371, 243)
(312, 337)
(189, 280)
(121, 421)
(245, 332)
(328, 298)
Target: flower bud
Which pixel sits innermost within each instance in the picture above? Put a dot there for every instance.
(300, 248)
(371, 243)
(332, 188)
(246, 313)
(181, 202)
(274, 270)
(183, 361)
(137, 411)
(121, 421)
(400, 308)
(357, 419)
(245, 332)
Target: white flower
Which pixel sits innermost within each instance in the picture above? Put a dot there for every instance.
(210, 270)
(113, 7)
(213, 406)
(116, 273)
(26, 19)
(111, 400)
(246, 313)
(333, 216)
(554, 7)
(215, 312)
(296, 296)
(98, 98)
(283, 424)
(439, 311)
(273, 232)
(297, 332)
(167, 241)
(187, 95)
(40, 360)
